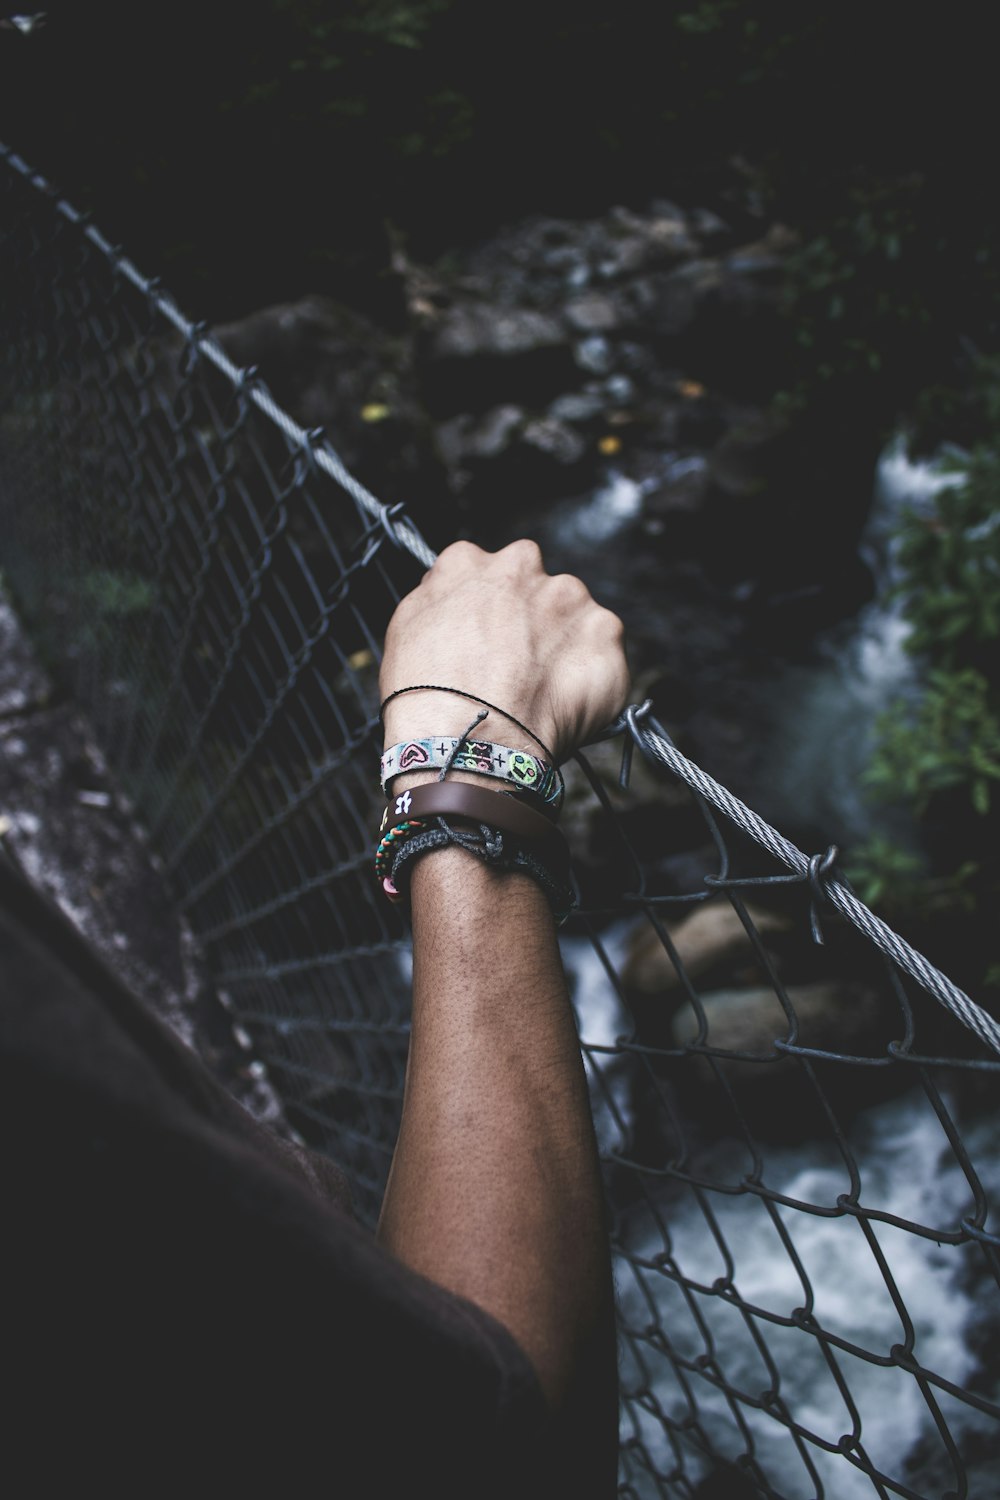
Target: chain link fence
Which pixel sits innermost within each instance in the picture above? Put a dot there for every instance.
(796, 1113)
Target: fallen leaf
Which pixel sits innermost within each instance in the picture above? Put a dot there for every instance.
(375, 411)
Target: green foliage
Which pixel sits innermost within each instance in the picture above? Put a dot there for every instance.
(885, 876)
(108, 598)
(114, 595)
(939, 755)
(951, 559)
(706, 17)
(949, 740)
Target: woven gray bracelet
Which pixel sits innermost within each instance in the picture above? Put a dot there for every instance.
(496, 849)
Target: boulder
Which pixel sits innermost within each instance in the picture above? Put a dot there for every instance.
(477, 356)
(832, 1015)
(464, 439)
(333, 369)
(554, 442)
(709, 938)
(474, 330)
(777, 1096)
(596, 312)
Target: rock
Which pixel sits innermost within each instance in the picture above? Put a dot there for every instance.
(670, 237)
(334, 370)
(594, 313)
(503, 455)
(474, 330)
(708, 226)
(317, 357)
(619, 389)
(579, 407)
(636, 242)
(554, 440)
(22, 682)
(832, 1015)
(594, 354)
(478, 356)
(711, 937)
(464, 438)
(771, 1093)
(665, 304)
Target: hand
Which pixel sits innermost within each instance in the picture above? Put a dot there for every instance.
(497, 625)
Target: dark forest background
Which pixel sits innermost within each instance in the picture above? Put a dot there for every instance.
(253, 151)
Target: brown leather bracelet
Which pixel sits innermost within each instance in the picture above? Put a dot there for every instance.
(436, 799)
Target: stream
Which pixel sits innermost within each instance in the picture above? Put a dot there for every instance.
(908, 1170)
(826, 713)
(824, 717)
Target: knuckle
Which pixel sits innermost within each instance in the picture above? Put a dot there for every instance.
(613, 624)
(458, 552)
(523, 552)
(571, 590)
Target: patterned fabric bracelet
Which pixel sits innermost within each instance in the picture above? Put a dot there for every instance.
(527, 772)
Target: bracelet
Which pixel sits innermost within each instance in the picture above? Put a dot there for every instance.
(507, 835)
(528, 772)
(495, 849)
(391, 838)
(430, 687)
(500, 810)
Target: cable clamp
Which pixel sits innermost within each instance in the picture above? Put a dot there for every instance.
(387, 515)
(192, 348)
(820, 868)
(630, 721)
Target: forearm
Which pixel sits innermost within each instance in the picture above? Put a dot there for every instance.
(495, 1190)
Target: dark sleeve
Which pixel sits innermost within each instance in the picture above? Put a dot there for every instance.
(187, 1312)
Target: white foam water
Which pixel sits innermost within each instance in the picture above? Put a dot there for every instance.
(908, 1170)
(826, 721)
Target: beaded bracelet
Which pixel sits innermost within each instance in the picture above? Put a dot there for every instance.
(390, 840)
(524, 771)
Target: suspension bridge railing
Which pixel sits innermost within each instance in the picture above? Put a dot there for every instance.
(799, 1137)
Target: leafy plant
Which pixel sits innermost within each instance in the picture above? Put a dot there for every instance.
(116, 594)
(939, 755)
(949, 739)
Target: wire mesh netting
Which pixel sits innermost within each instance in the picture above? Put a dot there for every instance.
(798, 1136)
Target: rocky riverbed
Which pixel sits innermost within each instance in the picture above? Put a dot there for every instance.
(606, 386)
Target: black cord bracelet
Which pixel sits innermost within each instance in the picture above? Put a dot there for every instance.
(498, 850)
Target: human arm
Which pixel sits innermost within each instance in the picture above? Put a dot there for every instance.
(495, 1189)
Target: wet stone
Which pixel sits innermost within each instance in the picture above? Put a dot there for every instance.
(22, 683)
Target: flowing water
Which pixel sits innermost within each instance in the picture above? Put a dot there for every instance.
(825, 718)
(826, 714)
(908, 1170)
